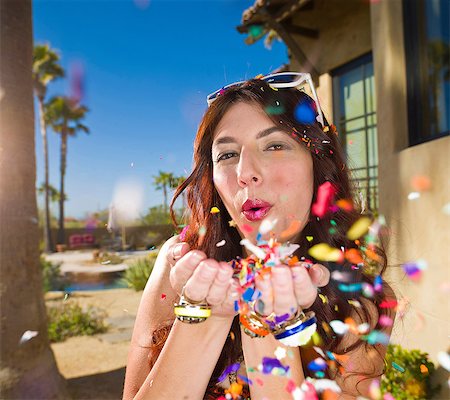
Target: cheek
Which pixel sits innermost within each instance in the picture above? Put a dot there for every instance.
(222, 184)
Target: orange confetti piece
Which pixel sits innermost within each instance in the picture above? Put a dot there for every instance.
(423, 369)
(329, 394)
(421, 183)
(345, 204)
(353, 256)
(293, 261)
(372, 255)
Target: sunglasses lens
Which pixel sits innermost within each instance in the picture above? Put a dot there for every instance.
(284, 79)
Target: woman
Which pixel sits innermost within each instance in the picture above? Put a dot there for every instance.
(263, 158)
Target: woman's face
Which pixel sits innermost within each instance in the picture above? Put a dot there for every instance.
(260, 172)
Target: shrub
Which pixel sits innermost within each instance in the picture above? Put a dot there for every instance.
(408, 374)
(51, 275)
(137, 274)
(69, 319)
(106, 258)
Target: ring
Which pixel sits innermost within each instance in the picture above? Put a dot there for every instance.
(253, 326)
(297, 331)
(191, 313)
(190, 301)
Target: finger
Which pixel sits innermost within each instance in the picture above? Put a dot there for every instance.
(304, 289)
(177, 251)
(197, 287)
(284, 299)
(184, 268)
(219, 288)
(319, 274)
(264, 305)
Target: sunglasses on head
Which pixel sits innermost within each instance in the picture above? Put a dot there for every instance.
(281, 80)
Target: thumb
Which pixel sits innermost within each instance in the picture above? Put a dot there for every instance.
(319, 275)
(177, 251)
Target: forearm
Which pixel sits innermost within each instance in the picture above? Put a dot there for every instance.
(186, 363)
(274, 386)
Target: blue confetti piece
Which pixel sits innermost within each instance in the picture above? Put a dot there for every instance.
(375, 337)
(248, 294)
(304, 113)
(378, 283)
(317, 365)
(271, 363)
(236, 306)
(351, 287)
(245, 379)
(320, 374)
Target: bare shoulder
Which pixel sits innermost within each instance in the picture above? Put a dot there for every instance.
(156, 306)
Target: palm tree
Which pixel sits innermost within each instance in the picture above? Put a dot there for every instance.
(45, 69)
(177, 181)
(27, 362)
(64, 116)
(163, 181)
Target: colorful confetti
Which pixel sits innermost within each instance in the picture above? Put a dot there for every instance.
(325, 196)
(324, 252)
(359, 228)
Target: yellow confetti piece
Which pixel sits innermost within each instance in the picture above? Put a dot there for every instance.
(309, 238)
(317, 340)
(336, 308)
(423, 369)
(324, 252)
(323, 298)
(354, 303)
(232, 223)
(359, 228)
(214, 210)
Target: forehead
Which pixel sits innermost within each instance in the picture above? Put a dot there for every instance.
(242, 117)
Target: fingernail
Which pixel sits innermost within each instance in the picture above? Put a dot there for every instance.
(177, 250)
(319, 273)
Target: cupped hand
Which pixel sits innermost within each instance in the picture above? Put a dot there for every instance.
(286, 289)
(203, 279)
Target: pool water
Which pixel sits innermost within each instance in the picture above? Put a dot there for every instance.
(85, 282)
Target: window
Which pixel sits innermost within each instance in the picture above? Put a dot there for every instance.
(427, 42)
(354, 109)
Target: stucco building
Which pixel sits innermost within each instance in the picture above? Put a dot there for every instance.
(382, 71)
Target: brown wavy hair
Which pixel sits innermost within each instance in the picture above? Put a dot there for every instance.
(329, 166)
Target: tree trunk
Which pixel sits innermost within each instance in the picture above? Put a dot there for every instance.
(61, 232)
(165, 198)
(27, 369)
(48, 242)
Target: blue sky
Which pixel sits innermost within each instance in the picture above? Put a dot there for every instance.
(147, 71)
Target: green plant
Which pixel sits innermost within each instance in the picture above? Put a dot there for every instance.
(51, 275)
(408, 374)
(69, 319)
(106, 258)
(137, 274)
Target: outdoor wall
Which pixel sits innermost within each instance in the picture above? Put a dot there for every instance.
(419, 228)
(136, 236)
(336, 44)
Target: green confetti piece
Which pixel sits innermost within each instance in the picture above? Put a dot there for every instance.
(398, 367)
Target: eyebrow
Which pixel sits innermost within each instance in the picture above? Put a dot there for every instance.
(260, 135)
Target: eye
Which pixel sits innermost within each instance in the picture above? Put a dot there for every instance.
(226, 156)
(277, 146)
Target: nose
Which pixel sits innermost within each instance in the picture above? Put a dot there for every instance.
(248, 170)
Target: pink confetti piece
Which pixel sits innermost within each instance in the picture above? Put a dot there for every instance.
(385, 321)
(325, 196)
